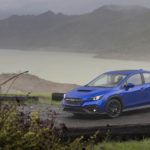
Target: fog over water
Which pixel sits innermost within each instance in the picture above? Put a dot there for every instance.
(62, 67)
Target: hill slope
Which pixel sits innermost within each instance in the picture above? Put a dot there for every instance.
(31, 83)
(107, 30)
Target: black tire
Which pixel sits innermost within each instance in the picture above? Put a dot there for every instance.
(113, 108)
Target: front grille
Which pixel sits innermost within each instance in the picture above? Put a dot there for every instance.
(73, 101)
(77, 110)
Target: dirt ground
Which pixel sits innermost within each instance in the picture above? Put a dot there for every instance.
(32, 83)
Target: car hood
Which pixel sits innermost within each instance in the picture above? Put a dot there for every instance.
(85, 92)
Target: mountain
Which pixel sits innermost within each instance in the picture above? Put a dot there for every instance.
(110, 31)
(31, 83)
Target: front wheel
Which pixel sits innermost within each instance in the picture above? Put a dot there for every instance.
(113, 108)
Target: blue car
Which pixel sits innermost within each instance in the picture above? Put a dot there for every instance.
(110, 93)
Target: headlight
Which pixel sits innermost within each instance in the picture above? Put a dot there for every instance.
(64, 96)
(97, 98)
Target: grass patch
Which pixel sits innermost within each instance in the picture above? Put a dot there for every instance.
(130, 145)
(44, 98)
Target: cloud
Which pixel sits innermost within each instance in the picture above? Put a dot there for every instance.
(34, 6)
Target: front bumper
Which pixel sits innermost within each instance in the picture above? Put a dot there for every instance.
(92, 109)
(76, 105)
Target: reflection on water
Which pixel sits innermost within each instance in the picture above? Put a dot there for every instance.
(62, 66)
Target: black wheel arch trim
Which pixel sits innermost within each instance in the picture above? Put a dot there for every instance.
(116, 97)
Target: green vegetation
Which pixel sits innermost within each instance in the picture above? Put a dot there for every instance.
(23, 131)
(44, 98)
(20, 131)
(130, 145)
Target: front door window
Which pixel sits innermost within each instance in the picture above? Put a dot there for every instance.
(135, 79)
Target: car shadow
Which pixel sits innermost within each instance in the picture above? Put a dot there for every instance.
(136, 112)
(90, 117)
(105, 117)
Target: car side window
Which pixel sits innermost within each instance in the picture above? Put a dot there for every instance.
(135, 79)
(146, 77)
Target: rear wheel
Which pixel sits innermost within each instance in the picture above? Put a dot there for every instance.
(113, 108)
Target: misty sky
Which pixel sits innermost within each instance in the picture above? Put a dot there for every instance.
(9, 7)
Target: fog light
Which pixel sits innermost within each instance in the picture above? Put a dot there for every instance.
(94, 110)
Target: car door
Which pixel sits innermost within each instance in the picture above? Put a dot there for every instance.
(146, 87)
(133, 97)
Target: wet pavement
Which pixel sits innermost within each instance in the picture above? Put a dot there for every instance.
(138, 117)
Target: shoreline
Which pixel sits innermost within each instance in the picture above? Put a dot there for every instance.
(95, 55)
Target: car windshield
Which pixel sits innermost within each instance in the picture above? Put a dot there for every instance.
(107, 80)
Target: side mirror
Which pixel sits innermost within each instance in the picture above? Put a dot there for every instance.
(129, 85)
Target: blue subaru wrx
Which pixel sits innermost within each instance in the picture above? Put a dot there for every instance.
(110, 93)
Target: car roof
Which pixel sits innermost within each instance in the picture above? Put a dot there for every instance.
(128, 72)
